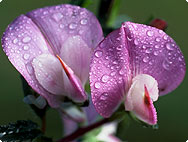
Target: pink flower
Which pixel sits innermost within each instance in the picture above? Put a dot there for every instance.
(135, 64)
(51, 47)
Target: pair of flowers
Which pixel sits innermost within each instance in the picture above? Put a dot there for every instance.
(55, 48)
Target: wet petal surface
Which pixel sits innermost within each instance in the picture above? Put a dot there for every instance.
(72, 33)
(153, 52)
(22, 42)
(109, 73)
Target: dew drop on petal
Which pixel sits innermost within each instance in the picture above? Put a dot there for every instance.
(98, 53)
(97, 85)
(157, 46)
(165, 37)
(26, 56)
(15, 40)
(112, 73)
(29, 69)
(57, 17)
(146, 59)
(105, 78)
(149, 33)
(73, 26)
(61, 26)
(104, 96)
(156, 53)
(26, 39)
(26, 47)
(136, 42)
(169, 46)
(157, 39)
(83, 21)
(149, 50)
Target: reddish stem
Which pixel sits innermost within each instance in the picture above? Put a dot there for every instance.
(81, 131)
(43, 127)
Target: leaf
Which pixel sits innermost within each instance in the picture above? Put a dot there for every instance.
(21, 130)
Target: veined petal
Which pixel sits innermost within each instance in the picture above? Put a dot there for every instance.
(56, 79)
(140, 97)
(109, 73)
(22, 42)
(72, 33)
(153, 52)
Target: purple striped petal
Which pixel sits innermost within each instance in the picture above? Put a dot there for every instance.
(109, 73)
(22, 42)
(65, 30)
(67, 25)
(153, 52)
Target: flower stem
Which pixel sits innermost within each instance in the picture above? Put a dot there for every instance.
(81, 131)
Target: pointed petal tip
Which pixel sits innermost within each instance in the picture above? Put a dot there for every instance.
(139, 98)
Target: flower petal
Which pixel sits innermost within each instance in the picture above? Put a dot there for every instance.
(56, 79)
(140, 97)
(22, 42)
(153, 52)
(72, 32)
(109, 73)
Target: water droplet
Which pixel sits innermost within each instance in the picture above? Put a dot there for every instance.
(122, 71)
(115, 62)
(105, 78)
(149, 50)
(146, 59)
(180, 59)
(112, 73)
(136, 42)
(15, 40)
(165, 37)
(97, 85)
(169, 46)
(29, 69)
(156, 53)
(98, 53)
(104, 96)
(72, 26)
(83, 21)
(26, 47)
(129, 38)
(57, 17)
(157, 39)
(144, 47)
(149, 33)
(26, 39)
(26, 56)
(160, 31)
(166, 64)
(157, 46)
(61, 26)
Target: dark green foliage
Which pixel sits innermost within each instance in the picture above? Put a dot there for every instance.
(19, 131)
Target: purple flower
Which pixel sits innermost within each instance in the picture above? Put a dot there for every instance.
(135, 64)
(51, 47)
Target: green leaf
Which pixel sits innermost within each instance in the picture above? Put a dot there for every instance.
(91, 136)
(19, 131)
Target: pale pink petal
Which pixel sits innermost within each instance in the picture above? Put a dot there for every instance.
(140, 97)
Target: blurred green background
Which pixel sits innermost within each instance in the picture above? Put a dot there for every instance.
(172, 109)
